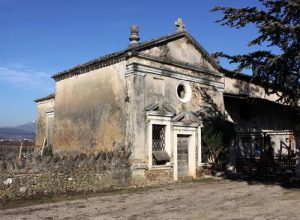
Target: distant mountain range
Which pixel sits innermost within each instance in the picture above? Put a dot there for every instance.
(25, 131)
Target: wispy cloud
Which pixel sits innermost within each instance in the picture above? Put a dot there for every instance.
(25, 77)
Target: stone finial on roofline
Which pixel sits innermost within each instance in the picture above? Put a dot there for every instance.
(134, 35)
(180, 25)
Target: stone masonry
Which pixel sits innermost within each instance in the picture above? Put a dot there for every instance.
(61, 174)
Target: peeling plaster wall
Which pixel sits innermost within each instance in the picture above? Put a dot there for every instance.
(136, 121)
(96, 109)
(197, 103)
(149, 88)
(162, 88)
(167, 92)
(181, 50)
(90, 111)
(41, 130)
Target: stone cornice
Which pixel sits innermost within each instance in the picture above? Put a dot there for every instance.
(93, 65)
(142, 70)
(179, 64)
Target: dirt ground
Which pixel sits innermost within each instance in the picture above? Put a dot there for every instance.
(206, 199)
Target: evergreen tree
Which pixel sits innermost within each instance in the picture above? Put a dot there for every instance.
(278, 26)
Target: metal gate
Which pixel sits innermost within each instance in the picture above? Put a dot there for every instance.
(266, 168)
(266, 154)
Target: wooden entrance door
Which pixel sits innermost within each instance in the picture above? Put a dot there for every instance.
(182, 155)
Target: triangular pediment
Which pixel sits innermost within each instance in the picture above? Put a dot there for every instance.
(180, 48)
(186, 118)
(162, 109)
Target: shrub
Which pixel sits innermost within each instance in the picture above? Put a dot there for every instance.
(217, 134)
(48, 150)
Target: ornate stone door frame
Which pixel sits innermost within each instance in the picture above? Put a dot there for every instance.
(186, 123)
(191, 150)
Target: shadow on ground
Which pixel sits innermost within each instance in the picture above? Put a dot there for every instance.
(285, 182)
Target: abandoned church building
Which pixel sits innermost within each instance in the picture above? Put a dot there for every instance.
(149, 97)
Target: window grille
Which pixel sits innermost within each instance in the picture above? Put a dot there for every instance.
(158, 137)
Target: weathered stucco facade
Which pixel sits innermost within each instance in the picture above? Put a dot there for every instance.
(90, 111)
(149, 97)
(45, 110)
(123, 97)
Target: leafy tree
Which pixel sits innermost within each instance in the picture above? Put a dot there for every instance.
(278, 26)
(217, 134)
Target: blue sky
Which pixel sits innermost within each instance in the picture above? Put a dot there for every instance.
(41, 37)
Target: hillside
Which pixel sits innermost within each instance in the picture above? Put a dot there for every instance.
(25, 131)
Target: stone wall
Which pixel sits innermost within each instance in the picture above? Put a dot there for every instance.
(153, 176)
(159, 175)
(20, 178)
(74, 173)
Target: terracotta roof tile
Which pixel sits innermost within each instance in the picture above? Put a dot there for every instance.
(51, 96)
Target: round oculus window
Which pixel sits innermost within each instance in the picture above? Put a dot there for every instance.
(184, 91)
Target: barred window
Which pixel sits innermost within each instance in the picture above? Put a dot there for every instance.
(158, 137)
(159, 155)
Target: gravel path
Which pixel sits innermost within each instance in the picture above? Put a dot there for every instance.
(209, 199)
